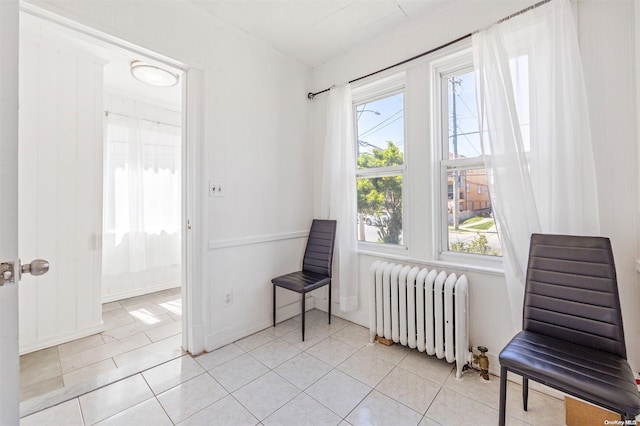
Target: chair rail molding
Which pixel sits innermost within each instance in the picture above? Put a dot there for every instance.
(257, 239)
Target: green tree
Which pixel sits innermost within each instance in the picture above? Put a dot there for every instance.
(382, 194)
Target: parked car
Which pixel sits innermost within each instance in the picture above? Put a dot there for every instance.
(377, 219)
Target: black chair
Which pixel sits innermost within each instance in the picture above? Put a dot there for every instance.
(572, 337)
(316, 266)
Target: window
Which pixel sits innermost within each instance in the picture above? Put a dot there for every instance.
(379, 122)
(468, 223)
(142, 169)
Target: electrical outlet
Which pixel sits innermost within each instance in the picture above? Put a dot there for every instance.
(228, 298)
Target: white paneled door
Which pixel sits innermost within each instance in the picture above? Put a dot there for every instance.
(9, 360)
(60, 187)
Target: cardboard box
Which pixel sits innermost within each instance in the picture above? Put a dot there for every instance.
(580, 413)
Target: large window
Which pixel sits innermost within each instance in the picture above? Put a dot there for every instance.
(142, 188)
(380, 169)
(468, 218)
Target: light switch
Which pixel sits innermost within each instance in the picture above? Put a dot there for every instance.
(216, 189)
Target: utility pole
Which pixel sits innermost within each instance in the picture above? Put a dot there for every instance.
(456, 183)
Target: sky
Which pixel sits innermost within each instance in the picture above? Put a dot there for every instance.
(466, 109)
(382, 120)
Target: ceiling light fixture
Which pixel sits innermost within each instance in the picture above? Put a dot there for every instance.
(153, 75)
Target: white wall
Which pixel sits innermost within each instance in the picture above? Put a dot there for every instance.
(255, 142)
(605, 31)
(60, 203)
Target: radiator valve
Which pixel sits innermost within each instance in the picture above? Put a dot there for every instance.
(483, 361)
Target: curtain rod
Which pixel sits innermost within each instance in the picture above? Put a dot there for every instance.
(312, 95)
(108, 113)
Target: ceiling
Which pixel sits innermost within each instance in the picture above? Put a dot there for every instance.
(117, 75)
(314, 31)
(310, 31)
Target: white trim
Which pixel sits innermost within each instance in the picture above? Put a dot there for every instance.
(463, 163)
(382, 248)
(437, 263)
(61, 338)
(194, 227)
(381, 171)
(60, 46)
(139, 292)
(360, 317)
(291, 310)
(378, 88)
(193, 328)
(101, 36)
(258, 239)
(230, 334)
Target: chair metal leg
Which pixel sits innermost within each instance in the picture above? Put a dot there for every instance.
(329, 302)
(525, 393)
(274, 305)
(303, 316)
(503, 396)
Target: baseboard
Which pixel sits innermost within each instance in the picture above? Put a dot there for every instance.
(357, 317)
(283, 313)
(139, 292)
(61, 338)
(239, 331)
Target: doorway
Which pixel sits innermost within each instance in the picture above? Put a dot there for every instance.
(91, 324)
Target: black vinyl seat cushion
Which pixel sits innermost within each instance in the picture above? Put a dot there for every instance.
(572, 337)
(302, 281)
(590, 374)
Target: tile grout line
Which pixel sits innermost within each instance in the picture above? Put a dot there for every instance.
(362, 348)
(156, 398)
(110, 358)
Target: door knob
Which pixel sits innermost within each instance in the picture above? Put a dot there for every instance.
(36, 267)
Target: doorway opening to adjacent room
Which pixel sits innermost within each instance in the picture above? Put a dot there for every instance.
(106, 204)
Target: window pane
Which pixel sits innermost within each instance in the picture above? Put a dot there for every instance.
(380, 127)
(380, 209)
(471, 227)
(464, 128)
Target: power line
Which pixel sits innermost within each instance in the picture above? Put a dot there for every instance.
(372, 131)
(381, 123)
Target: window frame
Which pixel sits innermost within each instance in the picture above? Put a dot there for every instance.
(441, 70)
(371, 92)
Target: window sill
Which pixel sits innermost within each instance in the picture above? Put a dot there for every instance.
(382, 248)
(457, 262)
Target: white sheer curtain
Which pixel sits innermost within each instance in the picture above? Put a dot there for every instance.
(141, 195)
(535, 134)
(338, 192)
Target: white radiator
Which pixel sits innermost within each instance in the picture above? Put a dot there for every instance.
(421, 309)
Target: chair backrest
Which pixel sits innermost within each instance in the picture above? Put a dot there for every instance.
(572, 293)
(318, 255)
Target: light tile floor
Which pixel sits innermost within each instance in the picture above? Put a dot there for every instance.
(140, 332)
(272, 378)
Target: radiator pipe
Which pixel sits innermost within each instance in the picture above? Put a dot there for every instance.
(483, 362)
